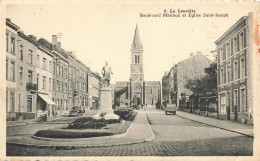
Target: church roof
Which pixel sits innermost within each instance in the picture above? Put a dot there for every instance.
(137, 41)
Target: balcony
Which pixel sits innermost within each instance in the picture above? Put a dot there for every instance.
(31, 87)
(75, 92)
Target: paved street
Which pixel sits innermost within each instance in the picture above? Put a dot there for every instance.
(174, 136)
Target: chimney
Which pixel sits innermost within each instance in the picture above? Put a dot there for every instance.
(199, 53)
(8, 19)
(191, 54)
(59, 44)
(32, 37)
(54, 42)
(20, 31)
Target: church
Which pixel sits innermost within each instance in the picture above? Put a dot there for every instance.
(137, 91)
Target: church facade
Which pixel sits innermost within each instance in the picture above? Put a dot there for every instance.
(137, 91)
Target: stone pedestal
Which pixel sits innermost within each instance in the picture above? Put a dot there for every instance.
(106, 105)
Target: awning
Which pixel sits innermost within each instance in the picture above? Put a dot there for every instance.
(47, 99)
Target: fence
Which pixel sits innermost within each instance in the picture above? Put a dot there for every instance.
(206, 106)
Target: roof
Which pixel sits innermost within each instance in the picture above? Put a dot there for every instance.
(231, 29)
(11, 24)
(137, 41)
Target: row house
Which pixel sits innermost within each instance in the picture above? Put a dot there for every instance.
(95, 83)
(234, 50)
(60, 80)
(81, 84)
(174, 81)
(41, 77)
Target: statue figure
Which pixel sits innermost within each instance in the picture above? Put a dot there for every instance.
(106, 72)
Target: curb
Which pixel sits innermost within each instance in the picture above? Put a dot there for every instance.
(85, 139)
(250, 136)
(71, 146)
(151, 131)
(85, 146)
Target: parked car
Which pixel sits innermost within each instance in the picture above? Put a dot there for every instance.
(76, 111)
(170, 108)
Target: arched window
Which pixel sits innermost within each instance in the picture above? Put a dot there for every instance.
(242, 68)
(235, 71)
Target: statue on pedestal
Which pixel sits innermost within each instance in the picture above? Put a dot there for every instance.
(106, 110)
(106, 72)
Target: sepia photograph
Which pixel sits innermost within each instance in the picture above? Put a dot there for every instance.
(130, 78)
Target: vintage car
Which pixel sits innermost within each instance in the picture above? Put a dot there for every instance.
(170, 108)
(76, 111)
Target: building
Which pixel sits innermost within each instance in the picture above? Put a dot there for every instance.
(43, 78)
(137, 91)
(174, 81)
(95, 84)
(234, 55)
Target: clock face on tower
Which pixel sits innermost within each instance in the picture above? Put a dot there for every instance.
(137, 69)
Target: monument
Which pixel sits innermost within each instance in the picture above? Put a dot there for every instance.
(106, 110)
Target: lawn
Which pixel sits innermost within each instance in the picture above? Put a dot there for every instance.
(95, 129)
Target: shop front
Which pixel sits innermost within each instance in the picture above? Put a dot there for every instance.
(45, 105)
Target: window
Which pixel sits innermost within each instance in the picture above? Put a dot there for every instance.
(54, 67)
(29, 76)
(222, 76)
(242, 68)
(7, 41)
(243, 100)
(66, 87)
(12, 101)
(65, 105)
(241, 38)
(235, 45)
(37, 81)
(30, 59)
(235, 70)
(58, 69)
(228, 73)
(53, 86)
(58, 85)
(38, 60)
(62, 87)
(12, 45)
(228, 99)
(29, 104)
(61, 70)
(21, 52)
(21, 75)
(44, 63)
(43, 82)
(12, 70)
(50, 84)
(82, 102)
(228, 50)
(65, 72)
(235, 101)
(222, 104)
(50, 66)
(7, 69)
(221, 54)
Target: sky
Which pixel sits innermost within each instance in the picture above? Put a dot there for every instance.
(99, 32)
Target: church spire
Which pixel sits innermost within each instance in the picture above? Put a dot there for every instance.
(137, 41)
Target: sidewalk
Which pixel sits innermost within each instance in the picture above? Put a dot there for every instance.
(50, 119)
(139, 131)
(223, 124)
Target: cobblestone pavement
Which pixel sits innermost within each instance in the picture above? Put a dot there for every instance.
(175, 136)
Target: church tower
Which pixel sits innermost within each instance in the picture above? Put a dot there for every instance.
(137, 73)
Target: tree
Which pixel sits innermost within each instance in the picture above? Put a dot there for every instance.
(206, 84)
